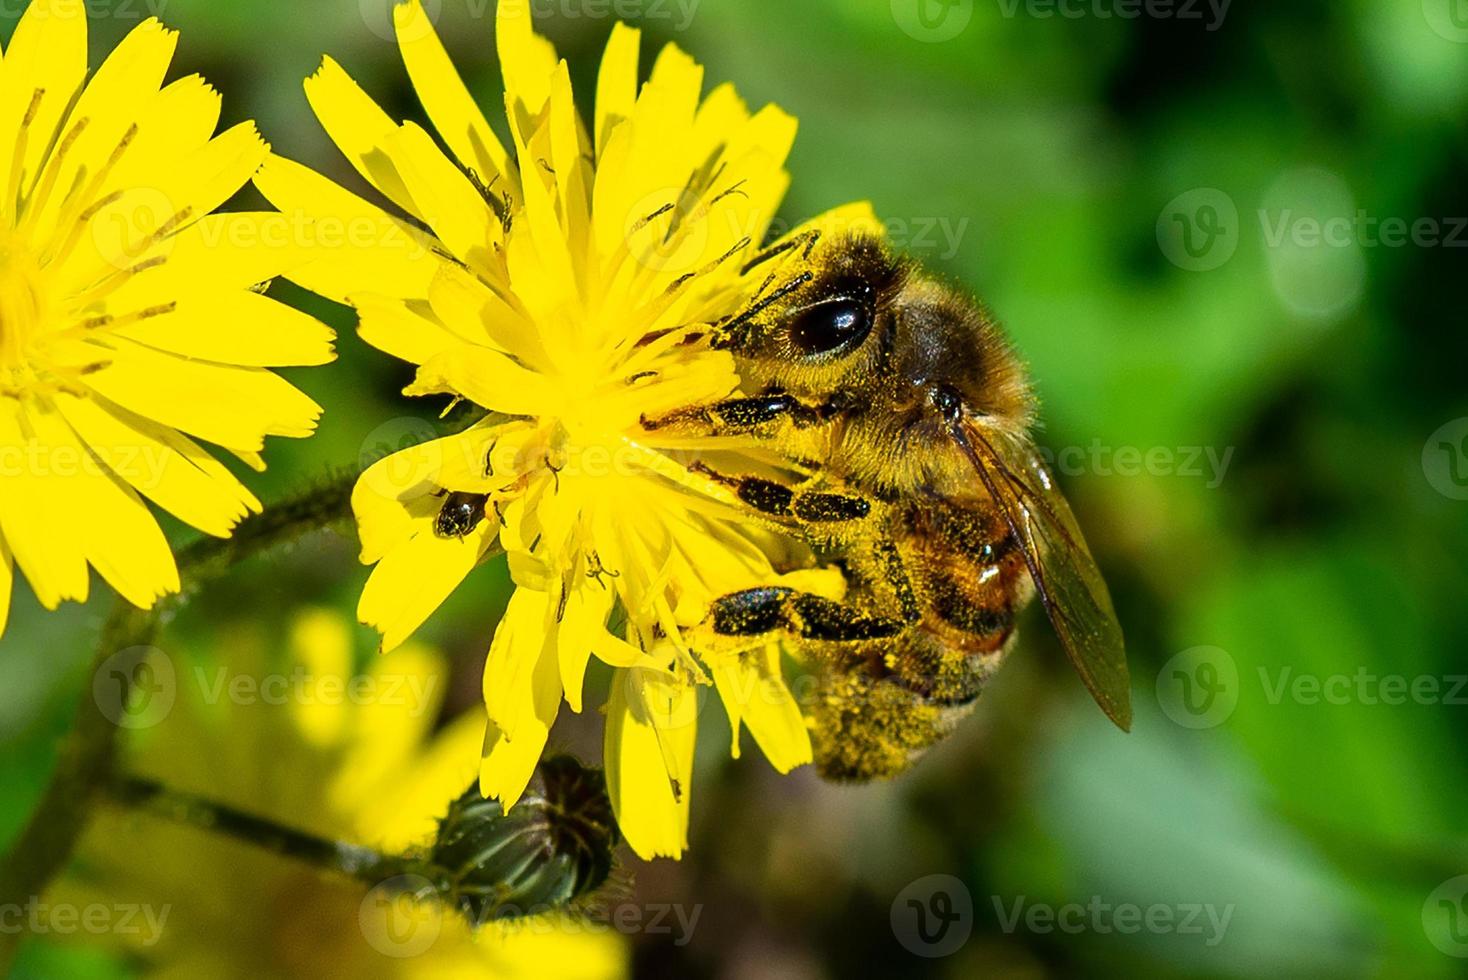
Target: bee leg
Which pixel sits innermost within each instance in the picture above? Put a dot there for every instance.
(767, 609)
(823, 506)
(777, 500)
(738, 416)
(806, 240)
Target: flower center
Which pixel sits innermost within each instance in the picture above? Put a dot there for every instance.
(20, 302)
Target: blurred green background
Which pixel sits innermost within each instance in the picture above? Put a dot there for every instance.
(1230, 244)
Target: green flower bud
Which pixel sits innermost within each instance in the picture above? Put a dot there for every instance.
(554, 846)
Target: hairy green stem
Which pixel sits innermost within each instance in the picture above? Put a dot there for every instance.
(352, 860)
(86, 759)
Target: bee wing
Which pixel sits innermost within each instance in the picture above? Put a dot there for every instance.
(1066, 577)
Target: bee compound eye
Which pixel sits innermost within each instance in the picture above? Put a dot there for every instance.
(832, 324)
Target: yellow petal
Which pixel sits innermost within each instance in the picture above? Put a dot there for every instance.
(119, 536)
(127, 547)
(195, 182)
(175, 122)
(616, 84)
(238, 327)
(618, 652)
(448, 103)
(350, 246)
(39, 76)
(396, 497)
(720, 118)
(523, 645)
(526, 58)
(756, 152)
(359, 128)
(470, 309)
(485, 377)
(546, 252)
(582, 627)
(506, 766)
(128, 80)
(221, 251)
(158, 197)
(43, 538)
(640, 172)
(401, 820)
(413, 579)
(173, 126)
(7, 576)
(571, 153)
(320, 641)
(235, 407)
(165, 466)
(522, 694)
(754, 693)
(395, 328)
(651, 811)
(396, 705)
(553, 947)
(445, 198)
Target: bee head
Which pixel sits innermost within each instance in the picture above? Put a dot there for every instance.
(897, 352)
(811, 322)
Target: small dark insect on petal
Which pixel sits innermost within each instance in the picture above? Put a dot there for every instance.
(461, 513)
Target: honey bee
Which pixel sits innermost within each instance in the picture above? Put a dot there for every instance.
(898, 421)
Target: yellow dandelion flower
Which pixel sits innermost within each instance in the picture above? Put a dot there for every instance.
(129, 327)
(562, 284)
(301, 737)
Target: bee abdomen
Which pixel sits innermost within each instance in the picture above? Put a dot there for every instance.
(876, 723)
(988, 618)
(868, 727)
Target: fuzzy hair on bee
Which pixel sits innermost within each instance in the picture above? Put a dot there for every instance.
(902, 417)
(922, 335)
